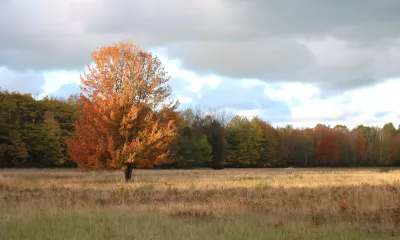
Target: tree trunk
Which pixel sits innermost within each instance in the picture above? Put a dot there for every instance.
(128, 172)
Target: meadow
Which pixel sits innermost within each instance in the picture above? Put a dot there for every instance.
(200, 204)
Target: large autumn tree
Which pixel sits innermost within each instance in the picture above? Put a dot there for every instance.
(127, 118)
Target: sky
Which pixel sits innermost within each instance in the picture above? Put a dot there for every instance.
(298, 62)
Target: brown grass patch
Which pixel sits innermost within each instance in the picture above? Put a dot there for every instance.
(316, 196)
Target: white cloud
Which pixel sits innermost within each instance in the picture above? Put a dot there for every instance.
(250, 113)
(291, 93)
(55, 79)
(318, 110)
(354, 107)
(183, 99)
(306, 103)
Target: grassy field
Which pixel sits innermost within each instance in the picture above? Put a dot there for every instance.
(201, 204)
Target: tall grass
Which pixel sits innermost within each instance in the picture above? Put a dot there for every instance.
(200, 204)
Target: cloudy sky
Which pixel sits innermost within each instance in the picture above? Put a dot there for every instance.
(290, 61)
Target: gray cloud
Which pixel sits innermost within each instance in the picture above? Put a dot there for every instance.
(161, 22)
(351, 19)
(24, 82)
(42, 35)
(336, 45)
(265, 59)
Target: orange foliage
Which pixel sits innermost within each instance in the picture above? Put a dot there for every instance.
(328, 152)
(127, 116)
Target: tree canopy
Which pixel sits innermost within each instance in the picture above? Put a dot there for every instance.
(127, 117)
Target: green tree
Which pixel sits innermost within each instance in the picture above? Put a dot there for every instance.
(215, 133)
(24, 129)
(51, 146)
(265, 143)
(13, 153)
(191, 149)
(239, 143)
(251, 144)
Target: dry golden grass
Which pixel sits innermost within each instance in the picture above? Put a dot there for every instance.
(366, 200)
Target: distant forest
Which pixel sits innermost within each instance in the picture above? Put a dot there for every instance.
(33, 133)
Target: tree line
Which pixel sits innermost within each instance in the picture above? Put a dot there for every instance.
(124, 118)
(33, 133)
(206, 140)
